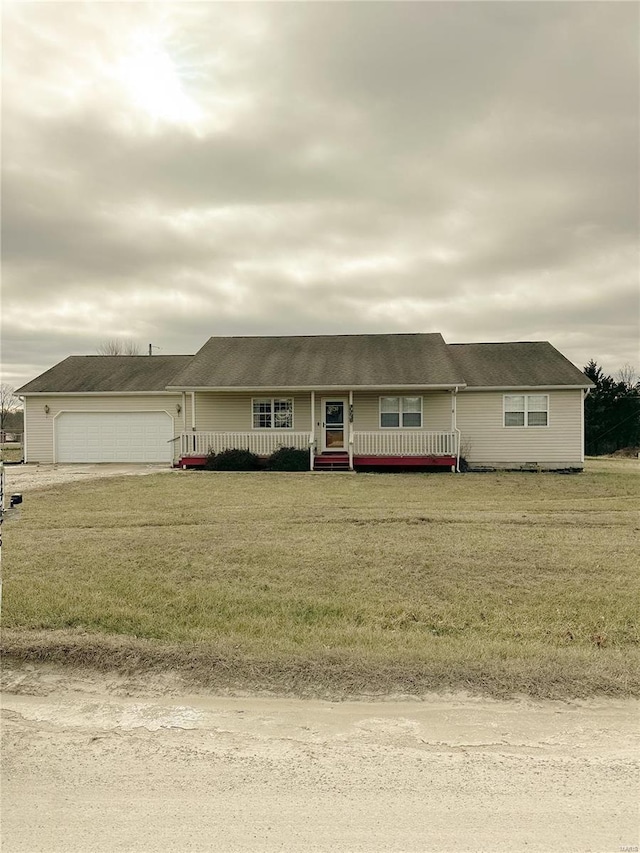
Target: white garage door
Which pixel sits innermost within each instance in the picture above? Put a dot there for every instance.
(114, 437)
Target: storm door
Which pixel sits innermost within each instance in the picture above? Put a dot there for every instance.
(334, 427)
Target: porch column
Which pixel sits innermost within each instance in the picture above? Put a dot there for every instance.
(312, 437)
(193, 419)
(350, 431)
(454, 426)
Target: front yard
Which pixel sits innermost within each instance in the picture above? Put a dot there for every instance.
(336, 584)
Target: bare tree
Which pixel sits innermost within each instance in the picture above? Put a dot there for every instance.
(9, 405)
(118, 346)
(628, 375)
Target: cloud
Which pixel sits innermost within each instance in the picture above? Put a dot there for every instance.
(173, 171)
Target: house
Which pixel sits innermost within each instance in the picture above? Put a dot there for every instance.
(352, 401)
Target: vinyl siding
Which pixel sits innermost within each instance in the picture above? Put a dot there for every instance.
(436, 410)
(231, 412)
(485, 441)
(40, 424)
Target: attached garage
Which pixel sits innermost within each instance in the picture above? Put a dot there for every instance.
(113, 437)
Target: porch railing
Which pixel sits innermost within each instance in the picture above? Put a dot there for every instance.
(403, 443)
(261, 443)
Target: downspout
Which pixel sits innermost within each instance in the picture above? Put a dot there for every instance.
(24, 428)
(350, 445)
(587, 391)
(183, 437)
(312, 435)
(454, 425)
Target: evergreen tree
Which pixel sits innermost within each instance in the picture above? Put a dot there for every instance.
(611, 412)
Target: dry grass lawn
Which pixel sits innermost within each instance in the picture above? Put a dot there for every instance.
(336, 584)
(11, 452)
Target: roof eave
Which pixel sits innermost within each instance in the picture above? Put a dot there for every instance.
(161, 391)
(450, 386)
(528, 387)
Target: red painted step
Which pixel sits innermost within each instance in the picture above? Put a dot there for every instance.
(331, 462)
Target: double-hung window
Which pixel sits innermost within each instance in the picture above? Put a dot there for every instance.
(401, 412)
(526, 410)
(272, 412)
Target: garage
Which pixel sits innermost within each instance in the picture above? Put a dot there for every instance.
(114, 437)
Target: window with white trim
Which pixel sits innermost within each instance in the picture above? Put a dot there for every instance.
(526, 410)
(272, 412)
(400, 412)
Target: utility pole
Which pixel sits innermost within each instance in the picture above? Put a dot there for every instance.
(151, 348)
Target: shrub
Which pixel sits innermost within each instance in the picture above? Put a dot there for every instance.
(288, 459)
(232, 460)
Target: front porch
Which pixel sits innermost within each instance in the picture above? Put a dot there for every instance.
(364, 449)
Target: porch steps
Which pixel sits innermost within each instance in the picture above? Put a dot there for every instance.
(331, 462)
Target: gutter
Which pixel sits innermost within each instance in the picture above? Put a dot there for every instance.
(162, 392)
(525, 387)
(292, 388)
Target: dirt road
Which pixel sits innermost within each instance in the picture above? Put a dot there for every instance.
(98, 763)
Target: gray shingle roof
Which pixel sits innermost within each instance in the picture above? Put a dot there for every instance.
(509, 365)
(83, 373)
(321, 361)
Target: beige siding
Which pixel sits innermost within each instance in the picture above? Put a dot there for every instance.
(485, 441)
(436, 410)
(231, 412)
(40, 424)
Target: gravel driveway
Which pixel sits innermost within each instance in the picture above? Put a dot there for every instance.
(25, 478)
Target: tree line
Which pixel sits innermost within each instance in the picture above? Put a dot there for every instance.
(611, 411)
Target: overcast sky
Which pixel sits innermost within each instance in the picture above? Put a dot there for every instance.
(176, 171)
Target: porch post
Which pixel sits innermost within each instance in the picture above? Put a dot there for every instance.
(312, 437)
(454, 426)
(193, 418)
(350, 437)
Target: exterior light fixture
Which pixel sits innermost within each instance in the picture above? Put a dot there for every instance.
(47, 410)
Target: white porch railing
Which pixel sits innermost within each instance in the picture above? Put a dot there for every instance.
(404, 443)
(401, 443)
(261, 443)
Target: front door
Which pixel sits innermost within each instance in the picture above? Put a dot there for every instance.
(334, 425)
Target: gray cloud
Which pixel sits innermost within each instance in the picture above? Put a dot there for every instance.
(173, 171)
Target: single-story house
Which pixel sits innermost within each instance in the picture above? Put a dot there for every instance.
(352, 401)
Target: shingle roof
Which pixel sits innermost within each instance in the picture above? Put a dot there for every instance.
(511, 365)
(83, 373)
(321, 361)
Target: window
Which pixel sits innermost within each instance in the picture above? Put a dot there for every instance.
(401, 411)
(272, 413)
(529, 410)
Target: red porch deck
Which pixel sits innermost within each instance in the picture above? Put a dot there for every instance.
(337, 461)
(403, 461)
